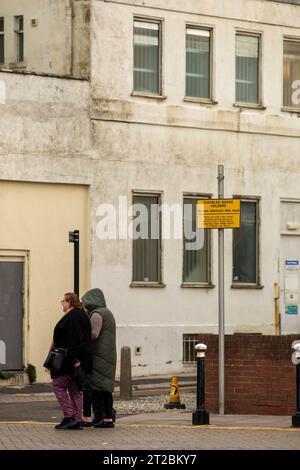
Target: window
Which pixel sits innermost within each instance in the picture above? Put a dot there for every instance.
(146, 239)
(245, 245)
(291, 72)
(196, 261)
(198, 45)
(247, 69)
(147, 57)
(1, 40)
(189, 352)
(19, 34)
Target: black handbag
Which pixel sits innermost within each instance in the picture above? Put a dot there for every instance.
(55, 359)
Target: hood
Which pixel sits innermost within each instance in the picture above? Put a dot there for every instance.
(93, 299)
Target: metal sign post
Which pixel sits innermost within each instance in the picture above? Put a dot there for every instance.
(220, 214)
(74, 238)
(221, 298)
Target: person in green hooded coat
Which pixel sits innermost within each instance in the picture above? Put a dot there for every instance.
(100, 382)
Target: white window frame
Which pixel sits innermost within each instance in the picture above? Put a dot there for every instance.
(295, 108)
(2, 34)
(18, 33)
(210, 30)
(257, 283)
(160, 23)
(199, 284)
(159, 283)
(259, 36)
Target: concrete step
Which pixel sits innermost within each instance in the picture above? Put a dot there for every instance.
(18, 379)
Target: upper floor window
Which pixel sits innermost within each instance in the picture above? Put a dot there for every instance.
(147, 56)
(19, 35)
(247, 68)
(291, 73)
(1, 40)
(245, 245)
(198, 63)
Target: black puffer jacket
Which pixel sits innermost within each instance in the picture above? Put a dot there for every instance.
(73, 333)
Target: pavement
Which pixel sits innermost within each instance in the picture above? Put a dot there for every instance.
(28, 416)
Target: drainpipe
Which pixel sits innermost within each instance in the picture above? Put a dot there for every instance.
(69, 38)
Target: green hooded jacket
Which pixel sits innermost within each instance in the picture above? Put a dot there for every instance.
(104, 353)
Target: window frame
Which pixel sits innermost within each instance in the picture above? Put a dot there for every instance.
(160, 23)
(257, 284)
(159, 283)
(291, 109)
(208, 283)
(18, 33)
(2, 33)
(245, 104)
(211, 31)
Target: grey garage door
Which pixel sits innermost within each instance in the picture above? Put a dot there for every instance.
(11, 315)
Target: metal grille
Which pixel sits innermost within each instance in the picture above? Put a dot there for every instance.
(189, 352)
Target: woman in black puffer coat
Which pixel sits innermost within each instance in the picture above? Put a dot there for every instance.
(72, 334)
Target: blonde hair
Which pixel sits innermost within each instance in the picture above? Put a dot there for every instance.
(73, 300)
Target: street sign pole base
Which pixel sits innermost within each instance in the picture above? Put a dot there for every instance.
(296, 421)
(171, 406)
(200, 417)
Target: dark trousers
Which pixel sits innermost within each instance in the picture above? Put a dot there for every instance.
(87, 403)
(102, 405)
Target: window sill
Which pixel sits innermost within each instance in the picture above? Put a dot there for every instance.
(199, 100)
(196, 285)
(291, 110)
(293, 233)
(154, 96)
(250, 106)
(246, 286)
(147, 284)
(17, 65)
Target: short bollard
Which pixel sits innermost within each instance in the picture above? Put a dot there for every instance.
(125, 374)
(296, 361)
(200, 416)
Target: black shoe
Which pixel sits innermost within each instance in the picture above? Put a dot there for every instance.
(66, 424)
(104, 424)
(114, 415)
(86, 424)
(78, 425)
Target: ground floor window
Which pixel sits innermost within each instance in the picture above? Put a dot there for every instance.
(196, 260)
(245, 244)
(146, 238)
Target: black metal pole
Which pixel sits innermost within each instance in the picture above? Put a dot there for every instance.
(76, 262)
(200, 383)
(296, 417)
(74, 238)
(298, 387)
(200, 415)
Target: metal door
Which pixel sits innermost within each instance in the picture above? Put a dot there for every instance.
(290, 284)
(11, 315)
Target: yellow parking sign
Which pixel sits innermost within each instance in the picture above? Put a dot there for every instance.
(218, 213)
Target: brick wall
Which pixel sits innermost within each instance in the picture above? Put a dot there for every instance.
(259, 375)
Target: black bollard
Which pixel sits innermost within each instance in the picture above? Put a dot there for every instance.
(296, 361)
(200, 415)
